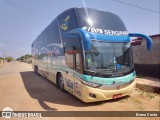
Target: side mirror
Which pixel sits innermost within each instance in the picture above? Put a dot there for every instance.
(71, 50)
(136, 42)
(148, 39)
(78, 32)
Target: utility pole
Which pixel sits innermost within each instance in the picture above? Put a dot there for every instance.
(4, 57)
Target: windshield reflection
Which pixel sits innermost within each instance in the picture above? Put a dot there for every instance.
(110, 57)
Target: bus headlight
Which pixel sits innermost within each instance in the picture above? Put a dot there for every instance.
(90, 84)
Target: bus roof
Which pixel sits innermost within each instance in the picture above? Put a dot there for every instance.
(95, 21)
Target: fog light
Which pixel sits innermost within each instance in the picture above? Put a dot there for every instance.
(92, 95)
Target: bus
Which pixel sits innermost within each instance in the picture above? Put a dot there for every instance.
(87, 52)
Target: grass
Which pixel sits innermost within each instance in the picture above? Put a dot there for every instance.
(124, 100)
(140, 107)
(146, 94)
(140, 76)
(150, 95)
(137, 101)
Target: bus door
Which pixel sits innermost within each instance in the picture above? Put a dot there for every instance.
(74, 67)
(69, 77)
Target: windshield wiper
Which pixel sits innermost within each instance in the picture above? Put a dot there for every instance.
(100, 70)
(96, 71)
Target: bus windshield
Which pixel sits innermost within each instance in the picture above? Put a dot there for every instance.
(94, 19)
(109, 56)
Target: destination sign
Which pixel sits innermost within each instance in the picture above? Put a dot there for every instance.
(104, 31)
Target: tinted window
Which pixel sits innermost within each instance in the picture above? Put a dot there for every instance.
(72, 42)
(49, 36)
(46, 42)
(99, 19)
(53, 33)
(67, 21)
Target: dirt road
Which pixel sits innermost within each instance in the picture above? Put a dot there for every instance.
(23, 90)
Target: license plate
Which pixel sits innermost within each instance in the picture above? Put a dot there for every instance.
(117, 96)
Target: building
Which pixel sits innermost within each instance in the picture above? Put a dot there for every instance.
(147, 62)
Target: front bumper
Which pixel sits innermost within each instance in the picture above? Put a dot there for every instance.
(90, 94)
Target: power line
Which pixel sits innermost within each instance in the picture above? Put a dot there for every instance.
(136, 6)
(28, 10)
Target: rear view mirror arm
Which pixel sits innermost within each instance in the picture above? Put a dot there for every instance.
(148, 39)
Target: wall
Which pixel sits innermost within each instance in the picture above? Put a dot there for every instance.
(147, 62)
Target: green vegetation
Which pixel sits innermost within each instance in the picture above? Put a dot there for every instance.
(8, 59)
(1, 58)
(139, 76)
(26, 58)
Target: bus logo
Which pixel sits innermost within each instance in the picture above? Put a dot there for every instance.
(7, 112)
(64, 26)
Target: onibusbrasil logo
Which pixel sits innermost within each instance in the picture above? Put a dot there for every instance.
(8, 112)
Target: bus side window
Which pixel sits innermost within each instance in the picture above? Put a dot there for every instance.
(69, 60)
(77, 62)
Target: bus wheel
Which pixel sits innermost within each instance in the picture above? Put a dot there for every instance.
(61, 82)
(36, 69)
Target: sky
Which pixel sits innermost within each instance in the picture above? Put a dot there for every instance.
(21, 21)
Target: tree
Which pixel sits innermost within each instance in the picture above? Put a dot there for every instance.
(22, 58)
(1, 60)
(9, 59)
(18, 59)
(25, 58)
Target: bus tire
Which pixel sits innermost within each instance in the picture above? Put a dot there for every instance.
(36, 69)
(60, 82)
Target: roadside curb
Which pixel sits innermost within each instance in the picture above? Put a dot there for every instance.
(148, 84)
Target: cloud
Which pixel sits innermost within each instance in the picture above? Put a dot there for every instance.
(23, 48)
(1, 45)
